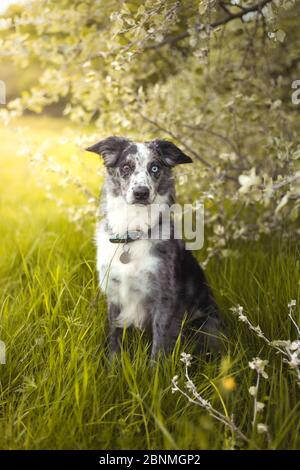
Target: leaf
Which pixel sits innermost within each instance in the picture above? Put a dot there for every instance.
(280, 35)
(282, 203)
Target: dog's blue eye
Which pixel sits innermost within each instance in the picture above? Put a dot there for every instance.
(154, 169)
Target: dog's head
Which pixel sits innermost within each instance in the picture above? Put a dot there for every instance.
(139, 171)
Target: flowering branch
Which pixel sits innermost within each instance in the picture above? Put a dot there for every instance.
(290, 350)
(258, 365)
(197, 399)
(171, 40)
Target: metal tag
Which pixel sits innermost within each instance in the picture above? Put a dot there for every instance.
(125, 257)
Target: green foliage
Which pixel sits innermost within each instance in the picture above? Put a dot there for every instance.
(210, 76)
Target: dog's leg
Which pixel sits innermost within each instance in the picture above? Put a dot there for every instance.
(115, 332)
(160, 321)
(208, 328)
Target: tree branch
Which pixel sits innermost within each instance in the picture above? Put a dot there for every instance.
(225, 7)
(175, 137)
(216, 134)
(170, 40)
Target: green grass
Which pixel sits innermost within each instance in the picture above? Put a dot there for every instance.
(58, 389)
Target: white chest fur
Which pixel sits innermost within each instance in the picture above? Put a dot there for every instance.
(126, 285)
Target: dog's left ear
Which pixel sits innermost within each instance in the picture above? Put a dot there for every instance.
(170, 154)
(110, 148)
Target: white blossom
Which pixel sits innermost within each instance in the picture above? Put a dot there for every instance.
(259, 365)
(260, 406)
(262, 428)
(239, 310)
(294, 361)
(248, 180)
(292, 303)
(253, 390)
(295, 345)
(186, 359)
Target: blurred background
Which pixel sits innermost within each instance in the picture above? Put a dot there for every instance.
(216, 77)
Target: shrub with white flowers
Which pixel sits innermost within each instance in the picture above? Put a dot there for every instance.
(216, 80)
(290, 353)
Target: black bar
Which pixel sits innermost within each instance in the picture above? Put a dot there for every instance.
(133, 459)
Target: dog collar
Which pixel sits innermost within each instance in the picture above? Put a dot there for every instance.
(127, 237)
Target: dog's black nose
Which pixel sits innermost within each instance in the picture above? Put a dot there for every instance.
(141, 193)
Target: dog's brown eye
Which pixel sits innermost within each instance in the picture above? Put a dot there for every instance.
(126, 169)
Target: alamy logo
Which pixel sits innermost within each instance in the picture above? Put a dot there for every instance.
(296, 93)
(2, 352)
(2, 92)
(175, 222)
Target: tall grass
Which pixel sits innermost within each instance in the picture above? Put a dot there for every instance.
(58, 390)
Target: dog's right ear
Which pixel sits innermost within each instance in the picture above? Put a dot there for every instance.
(110, 148)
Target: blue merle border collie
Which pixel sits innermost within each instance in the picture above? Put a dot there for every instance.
(153, 284)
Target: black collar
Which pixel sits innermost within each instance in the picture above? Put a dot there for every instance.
(127, 237)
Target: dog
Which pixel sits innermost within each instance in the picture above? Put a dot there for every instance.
(150, 283)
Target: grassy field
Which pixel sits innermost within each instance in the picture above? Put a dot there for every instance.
(57, 389)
